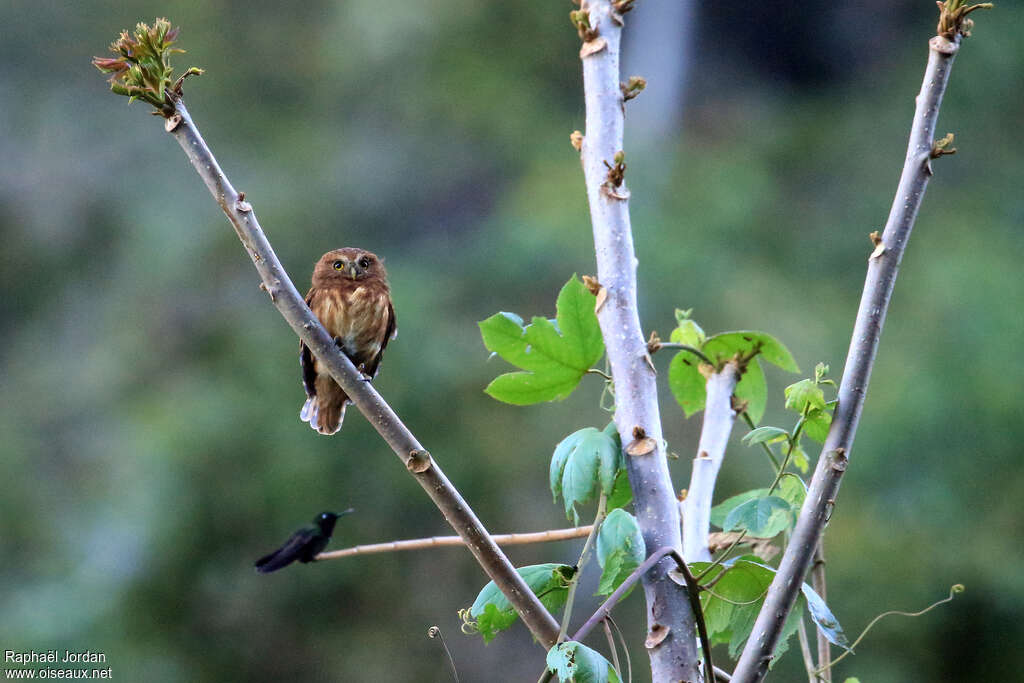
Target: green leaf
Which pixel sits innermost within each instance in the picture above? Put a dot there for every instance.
(686, 383)
(559, 458)
(817, 425)
(492, 610)
(802, 394)
(622, 493)
(583, 461)
(578, 323)
(688, 331)
(620, 549)
(574, 662)
(554, 358)
(799, 458)
(765, 435)
(722, 347)
(763, 517)
(823, 617)
(731, 608)
(792, 490)
(722, 510)
(753, 389)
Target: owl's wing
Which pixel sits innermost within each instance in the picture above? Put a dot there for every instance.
(306, 360)
(390, 332)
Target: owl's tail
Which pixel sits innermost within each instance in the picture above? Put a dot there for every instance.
(325, 419)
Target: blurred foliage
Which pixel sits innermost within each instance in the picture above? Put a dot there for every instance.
(150, 395)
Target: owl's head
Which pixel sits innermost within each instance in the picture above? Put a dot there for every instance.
(347, 265)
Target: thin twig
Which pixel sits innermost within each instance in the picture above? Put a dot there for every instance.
(683, 347)
(805, 651)
(293, 308)
(794, 439)
(574, 582)
(435, 632)
(953, 590)
(767, 449)
(719, 418)
(625, 648)
(722, 556)
(611, 647)
(883, 265)
(444, 541)
(636, 390)
(821, 588)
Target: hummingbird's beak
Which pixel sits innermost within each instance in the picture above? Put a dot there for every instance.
(345, 512)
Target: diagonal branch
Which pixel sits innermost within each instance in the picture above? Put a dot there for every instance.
(883, 266)
(719, 418)
(292, 306)
(636, 397)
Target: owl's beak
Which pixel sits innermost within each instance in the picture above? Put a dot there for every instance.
(352, 272)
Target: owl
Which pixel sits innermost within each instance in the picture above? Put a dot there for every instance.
(351, 297)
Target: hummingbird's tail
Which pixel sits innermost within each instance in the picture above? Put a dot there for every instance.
(274, 561)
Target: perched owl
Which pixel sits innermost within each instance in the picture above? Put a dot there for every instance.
(350, 296)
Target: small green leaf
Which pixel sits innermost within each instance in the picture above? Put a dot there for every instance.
(722, 510)
(804, 394)
(559, 458)
(792, 490)
(722, 347)
(765, 435)
(554, 358)
(799, 458)
(823, 617)
(613, 433)
(620, 549)
(492, 610)
(763, 517)
(686, 383)
(582, 462)
(820, 372)
(622, 493)
(687, 331)
(574, 662)
(753, 389)
(817, 424)
(731, 608)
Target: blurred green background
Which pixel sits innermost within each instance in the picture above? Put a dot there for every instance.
(149, 429)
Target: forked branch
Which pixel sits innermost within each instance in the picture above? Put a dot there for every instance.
(670, 619)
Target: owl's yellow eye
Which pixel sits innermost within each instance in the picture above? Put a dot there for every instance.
(338, 265)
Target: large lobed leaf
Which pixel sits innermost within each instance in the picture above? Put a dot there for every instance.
(553, 355)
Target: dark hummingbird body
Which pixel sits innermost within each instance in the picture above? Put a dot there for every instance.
(304, 545)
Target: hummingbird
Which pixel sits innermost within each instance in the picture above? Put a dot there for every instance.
(304, 545)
